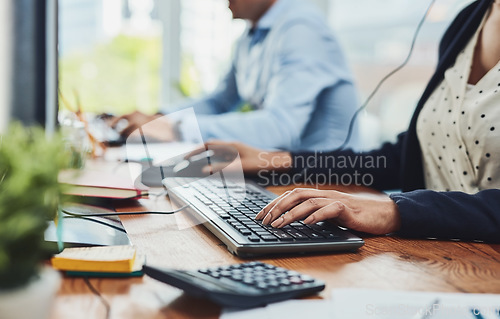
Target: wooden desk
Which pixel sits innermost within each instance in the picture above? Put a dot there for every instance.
(382, 263)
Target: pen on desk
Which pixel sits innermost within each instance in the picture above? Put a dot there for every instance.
(428, 311)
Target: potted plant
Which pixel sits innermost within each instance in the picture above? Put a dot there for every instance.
(29, 198)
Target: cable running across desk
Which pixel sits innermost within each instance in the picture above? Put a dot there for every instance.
(98, 295)
(123, 213)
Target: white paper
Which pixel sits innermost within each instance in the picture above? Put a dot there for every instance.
(378, 304)
(291, 309)
(158, 152)
(381, 304)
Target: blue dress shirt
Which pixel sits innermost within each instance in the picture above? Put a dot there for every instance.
(291, 70)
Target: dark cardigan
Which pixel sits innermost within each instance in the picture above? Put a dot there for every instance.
(424, 213)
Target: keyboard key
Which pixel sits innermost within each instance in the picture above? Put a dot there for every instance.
(309, 232)
(281, 234)
(255, 227)
(238, 216)
(253, 238)
(296, 234)
(248, 222)
(269, 238)
(245, 231)
(332, 236)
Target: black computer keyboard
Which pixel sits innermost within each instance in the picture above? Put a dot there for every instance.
(241, 285)
(229, 209)
(241, 215)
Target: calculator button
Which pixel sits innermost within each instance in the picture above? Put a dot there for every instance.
(306, 278)
(284, 282)
(262, 285)
(296, 280)
(249, 281)
(237, 277)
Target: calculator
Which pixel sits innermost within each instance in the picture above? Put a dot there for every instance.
(244, 285)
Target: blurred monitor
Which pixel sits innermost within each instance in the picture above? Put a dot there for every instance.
(28, 59)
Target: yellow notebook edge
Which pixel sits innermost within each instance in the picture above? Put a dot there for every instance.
(74, 264)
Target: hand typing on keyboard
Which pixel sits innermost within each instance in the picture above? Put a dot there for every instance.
(371, 214)
(229, 210)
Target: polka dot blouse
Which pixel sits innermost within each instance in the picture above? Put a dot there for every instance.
(459, 129)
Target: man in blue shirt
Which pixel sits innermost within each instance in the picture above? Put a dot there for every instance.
(289, 70)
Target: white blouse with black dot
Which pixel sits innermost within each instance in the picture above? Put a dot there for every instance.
(459, 129)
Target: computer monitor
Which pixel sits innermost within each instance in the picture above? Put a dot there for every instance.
(28, 38)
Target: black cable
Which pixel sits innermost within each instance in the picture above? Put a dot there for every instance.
(85, 216)
(124, 213)
(101, 298)
(140, 195)
(97, 221)
(363, 106)
(131, 197)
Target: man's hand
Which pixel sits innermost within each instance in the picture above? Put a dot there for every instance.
(157, 127)
(374, 214)
(252, 159)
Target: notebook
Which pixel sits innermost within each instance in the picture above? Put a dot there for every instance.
(105, 182)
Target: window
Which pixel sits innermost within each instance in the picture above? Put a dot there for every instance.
(123, 55)
(207, 35)
(110, 55)
(376, 37)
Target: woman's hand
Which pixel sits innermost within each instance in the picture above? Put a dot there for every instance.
(252, 159)
(374, 214)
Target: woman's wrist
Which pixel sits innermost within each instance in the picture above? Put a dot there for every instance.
(394, 220)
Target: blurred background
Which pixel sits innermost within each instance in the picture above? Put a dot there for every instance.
(117, 56)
